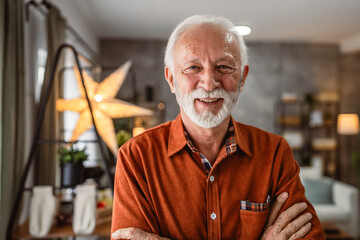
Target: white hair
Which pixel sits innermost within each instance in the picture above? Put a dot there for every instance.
(198, 20)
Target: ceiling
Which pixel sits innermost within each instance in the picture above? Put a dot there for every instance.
(329, 21)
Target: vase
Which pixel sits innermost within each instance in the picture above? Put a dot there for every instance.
(72, 174)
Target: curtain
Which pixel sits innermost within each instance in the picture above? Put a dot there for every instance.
(12, 100)
(45, 164)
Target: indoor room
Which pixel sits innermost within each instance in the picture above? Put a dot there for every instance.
(81, 79)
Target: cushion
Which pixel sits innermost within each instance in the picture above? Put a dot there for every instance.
(318, 191)
(332, 213)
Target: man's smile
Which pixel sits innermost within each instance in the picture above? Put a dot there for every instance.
(209, 100)
(208, 104)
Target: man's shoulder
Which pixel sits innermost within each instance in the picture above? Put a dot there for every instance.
(254, 133)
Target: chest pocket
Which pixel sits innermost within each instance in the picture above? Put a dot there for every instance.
(252, 223)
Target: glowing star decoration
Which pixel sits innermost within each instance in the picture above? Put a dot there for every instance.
(104, 105)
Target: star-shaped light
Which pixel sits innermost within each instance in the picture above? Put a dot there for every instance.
(104, 105)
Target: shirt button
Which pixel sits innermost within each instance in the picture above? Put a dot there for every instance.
(212, 178)
(213, 216)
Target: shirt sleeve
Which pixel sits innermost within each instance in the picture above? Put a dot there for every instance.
(132, 205)
(286, 179)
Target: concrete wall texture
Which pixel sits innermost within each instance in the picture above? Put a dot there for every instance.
(275, 67)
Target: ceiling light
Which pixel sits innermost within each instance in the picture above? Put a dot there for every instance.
(243, 30)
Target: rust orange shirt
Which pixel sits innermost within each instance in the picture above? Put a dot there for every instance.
(161, 186)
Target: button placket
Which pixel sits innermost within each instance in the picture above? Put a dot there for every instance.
(214, 206)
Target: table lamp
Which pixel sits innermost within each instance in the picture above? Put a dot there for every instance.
(347, 124)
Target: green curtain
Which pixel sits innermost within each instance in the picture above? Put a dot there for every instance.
(12, 102)
(45, 164)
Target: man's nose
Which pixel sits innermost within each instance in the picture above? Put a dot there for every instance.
(208, 81)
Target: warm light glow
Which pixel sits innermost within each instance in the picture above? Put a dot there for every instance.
(161, 106)
(348, 124)
(98, 98)
(138, 130)
(106, 107)
(243, 30)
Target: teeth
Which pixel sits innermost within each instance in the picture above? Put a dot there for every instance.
(208, 100)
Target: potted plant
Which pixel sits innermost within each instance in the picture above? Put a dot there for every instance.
(122, 136)
(71, 162)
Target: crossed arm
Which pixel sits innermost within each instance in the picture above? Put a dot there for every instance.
(279, 227)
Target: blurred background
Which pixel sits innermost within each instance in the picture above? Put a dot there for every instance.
(303, 84)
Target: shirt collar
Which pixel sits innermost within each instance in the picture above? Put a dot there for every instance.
(177, 139)
(241, 137)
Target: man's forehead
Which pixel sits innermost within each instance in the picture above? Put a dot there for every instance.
(220, 57)
(208, 36)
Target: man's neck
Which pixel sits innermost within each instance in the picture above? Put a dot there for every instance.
(207, 140)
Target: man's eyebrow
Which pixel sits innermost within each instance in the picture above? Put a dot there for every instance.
(226, 58)
(193, 60)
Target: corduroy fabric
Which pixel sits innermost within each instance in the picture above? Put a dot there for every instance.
(161, 186)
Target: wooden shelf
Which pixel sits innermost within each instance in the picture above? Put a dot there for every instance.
(297, 115)
(103, 228)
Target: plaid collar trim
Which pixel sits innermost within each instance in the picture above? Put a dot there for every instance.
(230, 142)
(189, 143)
(230, 147)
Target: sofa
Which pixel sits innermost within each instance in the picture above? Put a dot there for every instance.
(334, 201)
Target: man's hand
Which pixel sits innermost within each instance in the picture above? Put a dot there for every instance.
(135, 234)
(282, 227)
(277, 227)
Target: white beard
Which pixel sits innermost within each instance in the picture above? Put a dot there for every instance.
(206, 119)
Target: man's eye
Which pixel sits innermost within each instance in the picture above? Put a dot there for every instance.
(193, 67)
(224, 69)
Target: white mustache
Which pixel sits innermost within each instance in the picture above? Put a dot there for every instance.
(201, 93)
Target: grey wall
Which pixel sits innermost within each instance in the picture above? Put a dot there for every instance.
(284, 67)
(349, 85)
(274, 68)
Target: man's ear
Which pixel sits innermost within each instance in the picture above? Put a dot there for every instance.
(169, 78)
(244, 75)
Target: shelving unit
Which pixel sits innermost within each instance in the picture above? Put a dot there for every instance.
(20, 232)
(310, 128)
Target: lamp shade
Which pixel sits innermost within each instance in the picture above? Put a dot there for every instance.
(104, 105)
(348, 124)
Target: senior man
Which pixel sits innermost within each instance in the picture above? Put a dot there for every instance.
(204, 175)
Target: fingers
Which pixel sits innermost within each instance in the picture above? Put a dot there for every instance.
(134, 234)
(130, 233)
(287, 215)
(124, 233)
(284, 225)
(275, 208)
(297, 224)
(302, 232)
